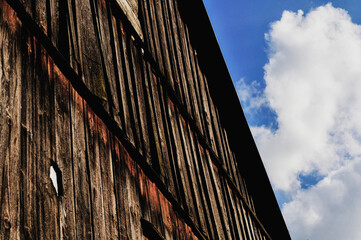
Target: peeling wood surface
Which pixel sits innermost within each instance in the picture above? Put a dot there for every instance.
(131, 125)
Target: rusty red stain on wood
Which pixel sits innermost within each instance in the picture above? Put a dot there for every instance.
(158, 202)
(121, 28)
(153, 197)
(214, 166)
(171, 104)
(183, 121)
(201, 148)
(92, 118)
(166, 212)
(103, 131)
(9, 16)
(103, 4)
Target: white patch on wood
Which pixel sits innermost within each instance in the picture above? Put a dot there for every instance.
(54, 179)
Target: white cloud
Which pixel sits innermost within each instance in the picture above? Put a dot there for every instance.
(251, 98)
(313, 83)
(329, 210)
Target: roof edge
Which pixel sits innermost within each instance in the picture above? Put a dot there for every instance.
(233, 119)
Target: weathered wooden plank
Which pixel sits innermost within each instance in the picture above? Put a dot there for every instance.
(233, 169)
(10, 123)
(173, 148)
(233, 212)
(90, 59)
(186, 64)
(200, 94)
(155, 33)
(169, 164)
(245, 220)
(118, 154)
(138, 82)
(179, 160)
(130, 10)
(157, 8)
(154, 142)
(27, 152)
(231, 160)
(156, 207)
(179, 65)
(82, 197)
(246, 193)
(238, 214)
(148, 39)
(93, 161)
(144, 197)
(197, 75)
(42, 10)
(160, 143)
(121, 78)
(169, 37)
(207, 113)
(206, 218)
(125, 39)
(215, 179)
(183, 128)
(193, 85)
(134, 228)
(215, 125)
(106, 167)
(194, 172)
(137, 97)
(104, 26)
(251, 226)
(233, 223)
(68, 31)
(210, 195)
(46, 198)
(63, 152)
(221, 138)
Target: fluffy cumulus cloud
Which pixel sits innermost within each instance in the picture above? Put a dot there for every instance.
(313, 83)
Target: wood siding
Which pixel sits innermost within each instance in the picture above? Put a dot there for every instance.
(126, 117)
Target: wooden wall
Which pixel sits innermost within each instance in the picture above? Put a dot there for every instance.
(126, 119)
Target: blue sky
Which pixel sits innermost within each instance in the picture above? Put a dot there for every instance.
(296, 66)
(240, 26)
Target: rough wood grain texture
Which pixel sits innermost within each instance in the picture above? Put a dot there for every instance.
(125, 39)
(26, 167)
(204, 212)
(130, 9)
(10, 122)
(106, 42)
(82, 199)
(119, 189)
(122, 90)
(68, 34)
(141, 139)
(46, 199)
(178, 61)
(90, 59)
(162, 152)
(179, 160)
(138, 82)
(193, 85)
(157, 10)
(186, 64)
(108, 196)
(215, 179)
(93, 161)
(158, 49)
(62, 149)
(210, 196)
